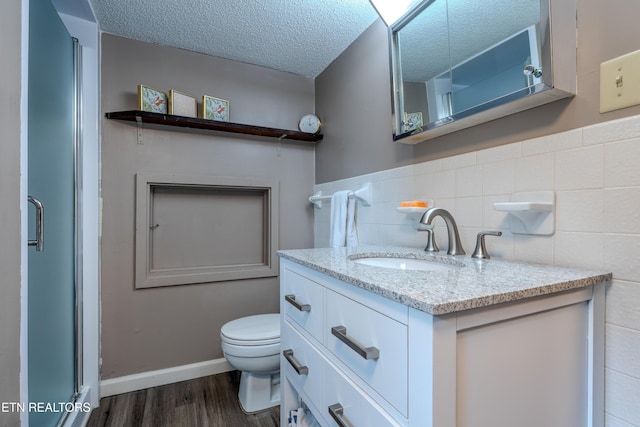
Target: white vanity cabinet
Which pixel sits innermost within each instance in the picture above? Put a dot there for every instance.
(341, 354)
(356, 358)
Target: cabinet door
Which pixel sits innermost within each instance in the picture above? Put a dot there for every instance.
(530, 371)
(386, 373)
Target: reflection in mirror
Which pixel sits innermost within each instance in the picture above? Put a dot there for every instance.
(392, 10)
(455, 59)
(491, 44)
(425, 67)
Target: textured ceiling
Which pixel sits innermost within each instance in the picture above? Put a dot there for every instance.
(298, 36)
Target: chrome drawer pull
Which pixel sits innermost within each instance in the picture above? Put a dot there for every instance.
(368, 353)
(291, 299)
(301, 370)
(337, 413)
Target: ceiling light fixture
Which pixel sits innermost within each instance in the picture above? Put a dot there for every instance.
(392, 10)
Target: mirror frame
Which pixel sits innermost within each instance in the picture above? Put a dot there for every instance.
(558, 59)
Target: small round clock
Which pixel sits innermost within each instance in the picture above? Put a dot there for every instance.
(309, 123)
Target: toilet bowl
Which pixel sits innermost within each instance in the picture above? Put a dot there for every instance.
(252, 345)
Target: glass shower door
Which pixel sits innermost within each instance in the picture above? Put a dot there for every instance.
(51, 286)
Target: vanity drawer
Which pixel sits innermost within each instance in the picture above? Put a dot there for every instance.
(303, 303)
(301, 363)
(350, 404)
(370, 344)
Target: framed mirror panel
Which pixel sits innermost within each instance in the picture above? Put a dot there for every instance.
(458, 63)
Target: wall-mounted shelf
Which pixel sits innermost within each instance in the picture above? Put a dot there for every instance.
(138, 117)
(523, 206)
(530, 212)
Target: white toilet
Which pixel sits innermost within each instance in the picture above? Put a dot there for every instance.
(252, 345)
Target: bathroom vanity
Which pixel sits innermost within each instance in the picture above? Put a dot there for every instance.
(462, 342)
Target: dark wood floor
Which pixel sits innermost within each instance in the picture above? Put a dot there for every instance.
(203, 402)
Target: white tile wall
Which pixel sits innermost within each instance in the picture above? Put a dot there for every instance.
(621, 163)
(535, 173)
(611, 421)
(595, 172)
(623, 395)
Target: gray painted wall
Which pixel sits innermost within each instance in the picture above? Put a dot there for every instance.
(157, 328)
(353, 98)
(10, 81)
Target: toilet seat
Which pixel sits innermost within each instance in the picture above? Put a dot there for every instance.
(258, 330)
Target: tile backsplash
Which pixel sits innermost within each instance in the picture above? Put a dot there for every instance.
(595, 173)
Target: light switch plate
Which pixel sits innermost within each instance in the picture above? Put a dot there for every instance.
(620, 82)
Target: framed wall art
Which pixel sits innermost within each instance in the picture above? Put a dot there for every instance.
(413, 121)
(181, 104)
(152, 100)
(215, 109)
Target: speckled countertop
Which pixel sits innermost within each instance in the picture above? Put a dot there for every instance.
(472, 284)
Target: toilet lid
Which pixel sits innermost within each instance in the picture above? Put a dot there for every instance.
(252, 330)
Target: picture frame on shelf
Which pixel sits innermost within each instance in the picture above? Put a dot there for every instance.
(181, 104)
(413, 120)
(215, 108)
(152, 100)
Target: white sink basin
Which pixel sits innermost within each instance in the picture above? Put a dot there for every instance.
(405, 263)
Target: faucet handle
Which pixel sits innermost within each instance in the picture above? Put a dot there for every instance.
(481, 250)
(431, 240)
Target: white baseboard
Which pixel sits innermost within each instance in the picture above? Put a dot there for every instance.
(176, 374)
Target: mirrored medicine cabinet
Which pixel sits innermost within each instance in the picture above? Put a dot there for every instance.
(459, 63)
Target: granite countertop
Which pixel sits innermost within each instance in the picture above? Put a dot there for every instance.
(472, 284)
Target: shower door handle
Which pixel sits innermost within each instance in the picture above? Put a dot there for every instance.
(39, 242)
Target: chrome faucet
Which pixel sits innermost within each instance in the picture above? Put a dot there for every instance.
(455, 246)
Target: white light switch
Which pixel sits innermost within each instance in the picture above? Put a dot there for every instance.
(620, 82)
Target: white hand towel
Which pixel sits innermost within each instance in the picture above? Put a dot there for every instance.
(338, 225)
(343, 229)
(352, 234)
